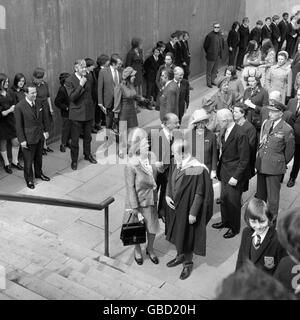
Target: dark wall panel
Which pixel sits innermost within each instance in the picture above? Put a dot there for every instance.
(53, 33)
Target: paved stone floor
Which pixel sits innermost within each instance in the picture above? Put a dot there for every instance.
(86, 228)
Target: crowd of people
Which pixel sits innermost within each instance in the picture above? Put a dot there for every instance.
(249, 127)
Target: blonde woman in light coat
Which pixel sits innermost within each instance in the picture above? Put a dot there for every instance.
(141, 189)
(280, 77)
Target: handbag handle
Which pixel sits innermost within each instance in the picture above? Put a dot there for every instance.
(129, 217)
(131, 213)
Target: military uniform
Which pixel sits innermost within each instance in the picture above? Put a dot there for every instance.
(276, 149)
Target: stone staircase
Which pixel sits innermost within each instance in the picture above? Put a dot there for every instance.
(41, 266)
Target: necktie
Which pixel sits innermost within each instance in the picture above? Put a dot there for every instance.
(258, 241)
(178, 171)
(116, 77)
(271, 128)
(298, 109)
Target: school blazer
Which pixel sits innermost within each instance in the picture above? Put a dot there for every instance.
(140, 186)
(267, 256)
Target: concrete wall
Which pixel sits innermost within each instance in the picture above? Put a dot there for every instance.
(260, 9)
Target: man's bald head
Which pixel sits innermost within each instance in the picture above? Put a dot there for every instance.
(224, 118)
(224, 114)
(178, 73)
(170, 121)
(275, 95)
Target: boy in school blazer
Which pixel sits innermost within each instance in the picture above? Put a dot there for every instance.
(259, 242)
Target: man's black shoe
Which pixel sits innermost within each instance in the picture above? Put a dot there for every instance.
(229, 234)
(291, 183)
(91, 159)
(219, 225)
(214, 84)
(186, 271)
(49, 150)
(62, 148)
(17, 166)
(74, 165)
(43, 177)
(8, 169)
(209, 85)
(174, 262)
(30, 184)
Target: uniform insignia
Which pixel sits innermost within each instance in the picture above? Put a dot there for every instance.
(279, 135)
(41, 109)
(269, 262)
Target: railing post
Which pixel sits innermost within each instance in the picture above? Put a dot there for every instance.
(106, 231)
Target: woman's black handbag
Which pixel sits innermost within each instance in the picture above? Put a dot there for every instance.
(133, 233)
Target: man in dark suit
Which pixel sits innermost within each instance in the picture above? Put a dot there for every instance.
(171, 46)
(108, 78)
(213, 47)
(266, 32)
(169, 98)
(184, 92)
(151, 67)
(179, 60)
(275, 36)
(233, 40)
(244, 40)
(81, 112)
(32, 125)
(283, 28)
(161, 141)
(255, 33)
(294, 107)
(275, 151)
(233, 171)
(186, 54)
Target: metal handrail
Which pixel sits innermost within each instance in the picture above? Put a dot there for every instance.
(67, 203)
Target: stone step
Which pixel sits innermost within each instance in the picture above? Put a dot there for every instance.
(101, 287)
(130, 270)
(5, 297)
(18, 292)
(47, 241)
(181, 293)
(71, 287)
(38, 286)
(119, 274)
(81, 272)
(167, 289)
(24, 252)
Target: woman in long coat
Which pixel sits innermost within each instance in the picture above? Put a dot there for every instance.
(124, 110)
(255, 97)
(280, 77)
(190, 199)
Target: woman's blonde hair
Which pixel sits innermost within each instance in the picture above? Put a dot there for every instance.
(135, 136)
